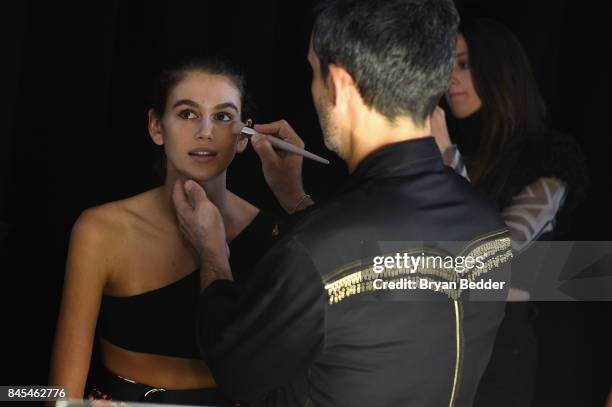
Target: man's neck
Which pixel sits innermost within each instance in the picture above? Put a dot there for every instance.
(373, 131)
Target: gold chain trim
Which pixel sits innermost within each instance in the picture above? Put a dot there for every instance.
(356, 278)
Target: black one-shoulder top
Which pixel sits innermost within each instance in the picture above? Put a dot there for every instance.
(163, 321)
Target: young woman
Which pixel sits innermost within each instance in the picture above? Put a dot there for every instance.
(531, 171)
(130, 270)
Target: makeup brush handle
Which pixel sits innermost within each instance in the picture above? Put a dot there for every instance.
(283, 145)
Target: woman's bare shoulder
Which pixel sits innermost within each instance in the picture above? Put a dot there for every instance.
(106, 237)
(112, 220)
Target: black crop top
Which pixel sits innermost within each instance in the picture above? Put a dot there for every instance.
(163, 321)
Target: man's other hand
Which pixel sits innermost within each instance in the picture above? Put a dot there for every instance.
(202, 224)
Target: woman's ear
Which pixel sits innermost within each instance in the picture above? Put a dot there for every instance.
(155, 130)
(241, 143)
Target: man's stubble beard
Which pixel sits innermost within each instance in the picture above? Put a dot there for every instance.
(330, 131)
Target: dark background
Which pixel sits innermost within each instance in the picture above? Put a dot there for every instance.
(74, 83)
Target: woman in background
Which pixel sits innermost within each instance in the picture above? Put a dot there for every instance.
(530, 170)
(129, 267)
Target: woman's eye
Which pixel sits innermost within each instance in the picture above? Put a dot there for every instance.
(463, 65)
(224, 117)
(188, 115)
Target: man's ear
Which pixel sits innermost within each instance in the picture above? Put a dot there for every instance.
(342, 86)
(155, 130)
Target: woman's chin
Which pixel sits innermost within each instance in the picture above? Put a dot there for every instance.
(198, 173)
(201, 176)
(460, 113)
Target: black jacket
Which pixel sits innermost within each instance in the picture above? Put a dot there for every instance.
(307, 327)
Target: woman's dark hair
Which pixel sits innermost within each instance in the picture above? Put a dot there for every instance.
(175, 69)
(193, 61)
(512, 106)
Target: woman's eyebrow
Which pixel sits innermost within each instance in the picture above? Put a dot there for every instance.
(226, 105)
(187, 102)
(191, 103)
(461, 54)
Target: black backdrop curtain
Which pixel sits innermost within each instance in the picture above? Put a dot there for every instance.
(75, 78)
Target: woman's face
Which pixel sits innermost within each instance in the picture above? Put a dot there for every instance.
(198, 128)
(461, 96)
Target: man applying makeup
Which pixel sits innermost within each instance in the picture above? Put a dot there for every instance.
(306, 328)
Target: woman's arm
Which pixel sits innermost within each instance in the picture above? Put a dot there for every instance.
(84, 282)
(450, 153)
(452, 158)
(532, 212)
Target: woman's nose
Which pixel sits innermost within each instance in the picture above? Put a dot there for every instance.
(205, 129)
(454, 76)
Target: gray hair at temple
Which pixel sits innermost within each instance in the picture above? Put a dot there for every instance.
(400, 53)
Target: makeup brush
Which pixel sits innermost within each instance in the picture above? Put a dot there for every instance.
(282, 145)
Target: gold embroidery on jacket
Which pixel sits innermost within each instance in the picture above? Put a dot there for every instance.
(356, 277)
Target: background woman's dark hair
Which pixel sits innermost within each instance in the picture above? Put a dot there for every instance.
(512, 106)
(175, 69)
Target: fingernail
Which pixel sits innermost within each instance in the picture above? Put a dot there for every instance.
(255, 138)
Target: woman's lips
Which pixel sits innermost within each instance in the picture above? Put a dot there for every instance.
(453, 95)
(202, 155)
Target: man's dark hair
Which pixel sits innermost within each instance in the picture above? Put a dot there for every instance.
(400, 53)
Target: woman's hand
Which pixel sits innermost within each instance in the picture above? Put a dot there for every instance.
(202, 224)
(439, 129)
(282, 170)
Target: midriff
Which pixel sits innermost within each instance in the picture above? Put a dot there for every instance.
(166, 372)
